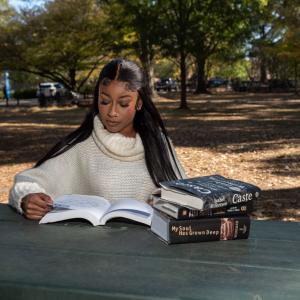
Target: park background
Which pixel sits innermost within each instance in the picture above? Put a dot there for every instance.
(235, 110)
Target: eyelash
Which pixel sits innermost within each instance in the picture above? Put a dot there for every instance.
(103, 102)
(106, 102)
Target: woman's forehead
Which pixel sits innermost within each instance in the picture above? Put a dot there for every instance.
(116, 87)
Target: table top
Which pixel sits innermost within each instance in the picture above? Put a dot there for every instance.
(74, 260)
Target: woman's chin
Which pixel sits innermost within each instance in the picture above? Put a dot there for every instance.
(111, 128)
(119, 129)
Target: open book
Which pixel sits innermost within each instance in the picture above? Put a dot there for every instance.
(97, 210)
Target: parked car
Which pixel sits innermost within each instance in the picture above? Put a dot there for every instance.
(216, 82)
(241, 86)
(50, 90)
(166, 84)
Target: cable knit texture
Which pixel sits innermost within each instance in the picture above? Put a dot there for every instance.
(117, 145)
(105, 164)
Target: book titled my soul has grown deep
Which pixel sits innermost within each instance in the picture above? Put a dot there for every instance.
(208, 192)
(174, 231)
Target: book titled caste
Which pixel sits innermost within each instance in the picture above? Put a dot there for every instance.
(208, 192)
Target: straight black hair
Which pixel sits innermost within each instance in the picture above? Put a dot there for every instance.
(159, 157)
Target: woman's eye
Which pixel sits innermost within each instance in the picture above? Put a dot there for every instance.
(124, 104)
(104, 102)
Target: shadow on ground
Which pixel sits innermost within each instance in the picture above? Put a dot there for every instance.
(261, 132)
(278, 204)
(26, 134)
(225, 123)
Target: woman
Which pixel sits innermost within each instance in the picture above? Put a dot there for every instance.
(120, 150)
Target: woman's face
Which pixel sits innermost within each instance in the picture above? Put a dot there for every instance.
(117, 107)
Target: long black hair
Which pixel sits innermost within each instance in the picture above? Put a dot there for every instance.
(159, 156)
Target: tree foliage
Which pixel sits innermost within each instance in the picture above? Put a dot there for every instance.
(137, 30)
(6, 12)
(204, 28)
(65, 41)
(223, 27)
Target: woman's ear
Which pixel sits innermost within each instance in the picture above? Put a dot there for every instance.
(139, 104)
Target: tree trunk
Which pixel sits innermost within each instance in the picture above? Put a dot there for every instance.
(263, 70)
(151, 78)
(72, 77)
(296, 78)
(183, 102)
(149, 72)
(146, 59)
(201, 82)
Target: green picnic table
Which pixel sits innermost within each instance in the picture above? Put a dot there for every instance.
(74, 260)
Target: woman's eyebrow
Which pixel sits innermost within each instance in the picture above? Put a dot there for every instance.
(125, 96)
(104, 94)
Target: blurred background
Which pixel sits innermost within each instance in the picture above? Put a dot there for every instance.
(183, 45)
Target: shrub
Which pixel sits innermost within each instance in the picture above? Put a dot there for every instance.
(24, 94)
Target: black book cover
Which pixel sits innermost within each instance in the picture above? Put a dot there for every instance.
(214, 190)
(180, 212)
(174, 231)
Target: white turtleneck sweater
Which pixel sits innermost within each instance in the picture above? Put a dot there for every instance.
(106, 164)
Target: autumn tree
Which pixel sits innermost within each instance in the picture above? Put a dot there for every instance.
(136, 26)
(65, 41)
(6, 12)
(288, 49)
(177, 25)
(204, 28)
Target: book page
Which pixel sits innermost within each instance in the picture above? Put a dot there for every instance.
(131, 209)
(95, 204)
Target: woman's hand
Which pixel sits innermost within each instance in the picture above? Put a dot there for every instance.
(150, 202)
(36, 205)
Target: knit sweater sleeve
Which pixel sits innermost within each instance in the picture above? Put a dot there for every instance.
(20, 190)
(53, 177)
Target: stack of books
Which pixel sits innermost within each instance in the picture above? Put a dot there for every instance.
(202, 209)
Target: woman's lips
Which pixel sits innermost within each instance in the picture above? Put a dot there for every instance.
(112, 123)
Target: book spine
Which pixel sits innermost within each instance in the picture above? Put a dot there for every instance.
(212, 229)
(227, 211)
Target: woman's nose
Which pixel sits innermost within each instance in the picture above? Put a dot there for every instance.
(112, 112)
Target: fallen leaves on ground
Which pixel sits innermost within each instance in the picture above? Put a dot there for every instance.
(250, 137)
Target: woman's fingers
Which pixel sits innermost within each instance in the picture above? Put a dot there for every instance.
(150, 202)
(46, 198)
(35, 206)
(33, 217)
(34, 214)
(37, 202)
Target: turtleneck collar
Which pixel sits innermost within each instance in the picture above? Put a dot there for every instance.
(116, 145)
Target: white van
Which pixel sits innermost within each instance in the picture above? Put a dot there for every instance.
(50, 89)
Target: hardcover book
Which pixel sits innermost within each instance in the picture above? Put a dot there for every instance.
(208, 192)
(97, 210)
(180, 212)
(174, 231)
